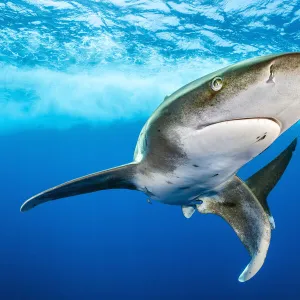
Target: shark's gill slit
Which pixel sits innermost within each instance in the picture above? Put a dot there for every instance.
(272, 75)
(272, 70)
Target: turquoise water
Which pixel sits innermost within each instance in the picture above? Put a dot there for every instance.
(78, 79)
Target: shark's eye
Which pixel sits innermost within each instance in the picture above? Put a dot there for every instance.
(216, 84)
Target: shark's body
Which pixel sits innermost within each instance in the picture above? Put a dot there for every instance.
(192, 146)
(197, 126)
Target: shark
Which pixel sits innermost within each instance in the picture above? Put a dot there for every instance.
(190, 149)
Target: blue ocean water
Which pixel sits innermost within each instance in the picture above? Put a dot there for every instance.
(78, 80)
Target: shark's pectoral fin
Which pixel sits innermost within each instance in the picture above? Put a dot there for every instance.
(116, 178)
(263, 181)
(188, 211)
(241, 209)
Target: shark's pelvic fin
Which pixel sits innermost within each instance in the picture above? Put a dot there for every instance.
(241, 209)
(262, 182)
(188, 211)
(115, 178)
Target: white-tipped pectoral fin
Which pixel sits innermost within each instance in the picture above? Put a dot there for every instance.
(256, 262)
(259, 256)
(240, 208)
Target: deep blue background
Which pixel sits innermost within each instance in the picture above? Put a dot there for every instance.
(113, 244)
(85, 64)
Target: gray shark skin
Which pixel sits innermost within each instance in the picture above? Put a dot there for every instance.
(190, 149)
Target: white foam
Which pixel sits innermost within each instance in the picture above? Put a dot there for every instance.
(151, 21)
(157, 5)
(52, 98)
(183, 8)
(216, 39)
(51, 3)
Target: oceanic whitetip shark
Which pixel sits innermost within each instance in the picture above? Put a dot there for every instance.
(190, 149)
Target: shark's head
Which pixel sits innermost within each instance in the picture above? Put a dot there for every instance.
(266, 72)
(267, 86)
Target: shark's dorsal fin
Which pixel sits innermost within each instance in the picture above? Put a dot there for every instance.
(237, 205)
(262, 182)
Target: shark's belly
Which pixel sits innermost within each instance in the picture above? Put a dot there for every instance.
(213, 155)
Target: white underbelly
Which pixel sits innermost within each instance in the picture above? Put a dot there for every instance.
(214, 154)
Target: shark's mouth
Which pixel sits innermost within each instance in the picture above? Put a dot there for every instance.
(273, 119)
